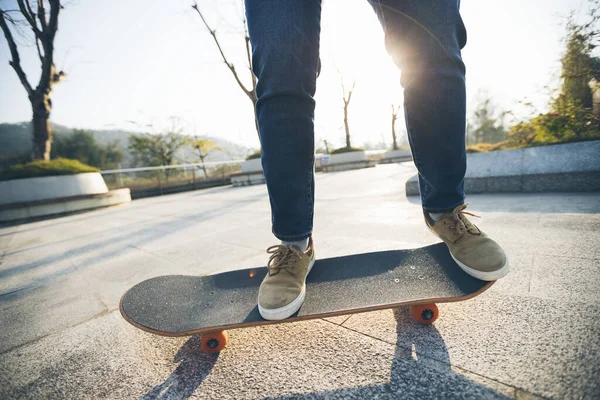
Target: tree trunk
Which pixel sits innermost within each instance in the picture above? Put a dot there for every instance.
(254, 99)
(395, 145)
(203, 166)
(42, 133)
(346, 124)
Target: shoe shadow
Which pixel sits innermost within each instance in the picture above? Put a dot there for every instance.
(194, 366)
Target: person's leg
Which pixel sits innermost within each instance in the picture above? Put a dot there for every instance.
(285, 58)
(425, 38)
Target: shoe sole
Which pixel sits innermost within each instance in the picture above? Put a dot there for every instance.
(286, 311)
(485, 276)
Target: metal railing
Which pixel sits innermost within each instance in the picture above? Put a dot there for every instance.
(165, 179)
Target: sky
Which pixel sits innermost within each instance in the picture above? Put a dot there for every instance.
(134, 63)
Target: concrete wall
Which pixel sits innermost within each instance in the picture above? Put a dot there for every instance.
(571, 167)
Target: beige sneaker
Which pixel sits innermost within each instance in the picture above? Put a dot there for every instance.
(282, 291)
(473, 250)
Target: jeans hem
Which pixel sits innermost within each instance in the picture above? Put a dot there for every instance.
(293, 238)
(443, 210)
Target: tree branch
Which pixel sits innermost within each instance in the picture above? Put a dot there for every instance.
(42, 14)
(55, 8)
(231, 67)
(39, 51)
(16, 60)
(395, 111)
(351, 91)
(249, 54)
(49, 75)
(29, 15)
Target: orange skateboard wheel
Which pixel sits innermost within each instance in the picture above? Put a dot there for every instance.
(213, 342)
(425, 313)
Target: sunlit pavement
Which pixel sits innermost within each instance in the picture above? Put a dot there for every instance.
(534, 333)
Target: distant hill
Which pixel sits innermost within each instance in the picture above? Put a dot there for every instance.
(15, 139)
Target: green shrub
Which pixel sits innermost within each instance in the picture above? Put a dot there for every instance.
(482, 147)
(569, 122)
(39, 168)
(252, 156)
(346, 150)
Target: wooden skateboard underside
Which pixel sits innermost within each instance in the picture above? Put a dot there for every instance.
(180, 305)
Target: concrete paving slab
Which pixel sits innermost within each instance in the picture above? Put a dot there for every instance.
(29, 314)
(563, 278)
(61, 279)
(106, 358)
(515, 340)
(98, 359)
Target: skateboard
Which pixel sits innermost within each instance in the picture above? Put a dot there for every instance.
(183, 305)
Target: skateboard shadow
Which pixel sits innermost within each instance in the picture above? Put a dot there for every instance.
(194, 366)
(420, 369)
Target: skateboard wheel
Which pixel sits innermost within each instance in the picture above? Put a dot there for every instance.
(213, 342)
(425, 313)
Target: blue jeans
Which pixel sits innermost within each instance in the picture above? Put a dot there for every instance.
(424, 38)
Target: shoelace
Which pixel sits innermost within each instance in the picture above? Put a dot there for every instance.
(461, 223)
(283, 257)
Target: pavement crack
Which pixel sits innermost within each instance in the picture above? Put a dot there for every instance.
(14, 291)
(93, 317)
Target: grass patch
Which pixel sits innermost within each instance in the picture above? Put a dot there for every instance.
(513, 144)
(406, 147)
(346, 150)
(254, 155)
(39, 168)
(482, 147)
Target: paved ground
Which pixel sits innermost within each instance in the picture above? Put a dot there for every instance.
(534, 333)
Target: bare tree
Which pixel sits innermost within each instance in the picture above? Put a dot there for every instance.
(250, 92)
(347, 97)
(395, 111)
(44, 25)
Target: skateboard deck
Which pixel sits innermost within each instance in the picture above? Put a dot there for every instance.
(182, 305)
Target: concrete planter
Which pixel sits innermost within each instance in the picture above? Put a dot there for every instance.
(253, 165)
(252, 174)
(248, 178)
(42, 196)
(395, 156)
(51, 187)
(63, 206)
(347, 161)
(570, 167)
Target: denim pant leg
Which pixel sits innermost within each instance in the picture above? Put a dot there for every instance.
(285, 59)
(425, 38)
